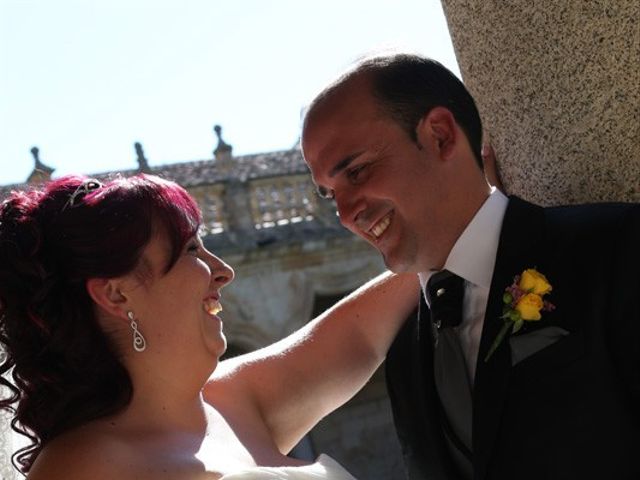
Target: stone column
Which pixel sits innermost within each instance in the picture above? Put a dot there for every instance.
(558, 86)
(238, 213)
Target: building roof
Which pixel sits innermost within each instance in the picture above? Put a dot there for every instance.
(207, 172)
(244, 168)
(322, 227)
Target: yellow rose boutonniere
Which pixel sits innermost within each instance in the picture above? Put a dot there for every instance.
(533, 281)
(523, 302)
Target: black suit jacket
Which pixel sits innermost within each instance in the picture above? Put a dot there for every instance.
(570, 410)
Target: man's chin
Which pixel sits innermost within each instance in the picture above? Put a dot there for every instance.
(398, 266)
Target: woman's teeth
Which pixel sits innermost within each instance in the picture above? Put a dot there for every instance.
(212, 307)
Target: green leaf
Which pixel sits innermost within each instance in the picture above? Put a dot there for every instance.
(507, 298)
(517, 325)
(514, 316)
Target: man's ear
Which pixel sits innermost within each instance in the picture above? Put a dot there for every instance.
(106, 293)
(438, 131)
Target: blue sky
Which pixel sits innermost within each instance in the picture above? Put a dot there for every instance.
(83, 80)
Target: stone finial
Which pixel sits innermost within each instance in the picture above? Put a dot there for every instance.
(41, 172)
(143, 164)
(223, 150)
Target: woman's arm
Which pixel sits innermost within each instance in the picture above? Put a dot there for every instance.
(290, 385)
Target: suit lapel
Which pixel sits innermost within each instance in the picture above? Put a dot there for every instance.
(518, 249)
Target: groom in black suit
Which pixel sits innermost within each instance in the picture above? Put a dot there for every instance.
(396, 142)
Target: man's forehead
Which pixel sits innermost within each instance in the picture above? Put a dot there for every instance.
(337, 121)
(323, 146)
(329, 150)
(340, 98)
(335, 129)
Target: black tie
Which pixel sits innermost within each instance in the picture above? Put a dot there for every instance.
(445, 293)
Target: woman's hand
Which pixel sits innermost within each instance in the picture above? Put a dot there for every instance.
(491, 167)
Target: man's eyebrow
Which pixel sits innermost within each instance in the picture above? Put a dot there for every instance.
(344, 163)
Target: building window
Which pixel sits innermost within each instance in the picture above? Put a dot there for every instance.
(282, 200)
(210, 201)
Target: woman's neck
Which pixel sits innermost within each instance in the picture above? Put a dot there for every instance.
(166, 409)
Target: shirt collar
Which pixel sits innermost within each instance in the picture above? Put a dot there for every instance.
(473, 255)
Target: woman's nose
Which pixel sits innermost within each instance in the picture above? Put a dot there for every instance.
(221, 271)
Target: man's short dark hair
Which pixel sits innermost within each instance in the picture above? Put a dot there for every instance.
(408, 86)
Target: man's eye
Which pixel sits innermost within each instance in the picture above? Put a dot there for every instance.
(354, 173)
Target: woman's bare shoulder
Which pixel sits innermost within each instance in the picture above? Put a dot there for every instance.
(85, 453)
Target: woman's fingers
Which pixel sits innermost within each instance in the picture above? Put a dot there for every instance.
(491, 167)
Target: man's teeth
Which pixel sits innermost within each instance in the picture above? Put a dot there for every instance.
(212, 307)
(381, 226)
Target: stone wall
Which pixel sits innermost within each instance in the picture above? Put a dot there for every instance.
(558, 87)
(360, 435)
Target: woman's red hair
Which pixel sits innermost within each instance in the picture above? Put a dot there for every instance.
(63, 370)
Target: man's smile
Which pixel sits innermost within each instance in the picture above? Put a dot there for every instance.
(379, 228)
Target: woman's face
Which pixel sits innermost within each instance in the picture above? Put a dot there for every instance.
(177, 311)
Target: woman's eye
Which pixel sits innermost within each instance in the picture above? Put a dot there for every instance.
(193, 247)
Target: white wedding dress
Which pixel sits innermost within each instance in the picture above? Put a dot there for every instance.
(325, 468)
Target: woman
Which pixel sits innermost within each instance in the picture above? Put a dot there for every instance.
(109, 303)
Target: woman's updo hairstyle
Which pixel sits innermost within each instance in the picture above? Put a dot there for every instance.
(58, 367)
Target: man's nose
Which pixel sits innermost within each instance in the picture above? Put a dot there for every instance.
(349, 207)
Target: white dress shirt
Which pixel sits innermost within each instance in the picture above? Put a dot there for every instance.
(473, 258)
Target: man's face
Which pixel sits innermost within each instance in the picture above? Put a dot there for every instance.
(388, 189)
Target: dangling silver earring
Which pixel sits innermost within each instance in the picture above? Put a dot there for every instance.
(139, 343)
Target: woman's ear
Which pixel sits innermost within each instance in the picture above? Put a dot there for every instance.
(438, 131)
(106, 293)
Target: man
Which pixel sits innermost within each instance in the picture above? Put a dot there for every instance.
(396, 142)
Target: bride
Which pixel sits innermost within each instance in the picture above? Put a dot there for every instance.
(110, 320)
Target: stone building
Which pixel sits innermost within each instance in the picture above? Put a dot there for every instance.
(292, 260)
